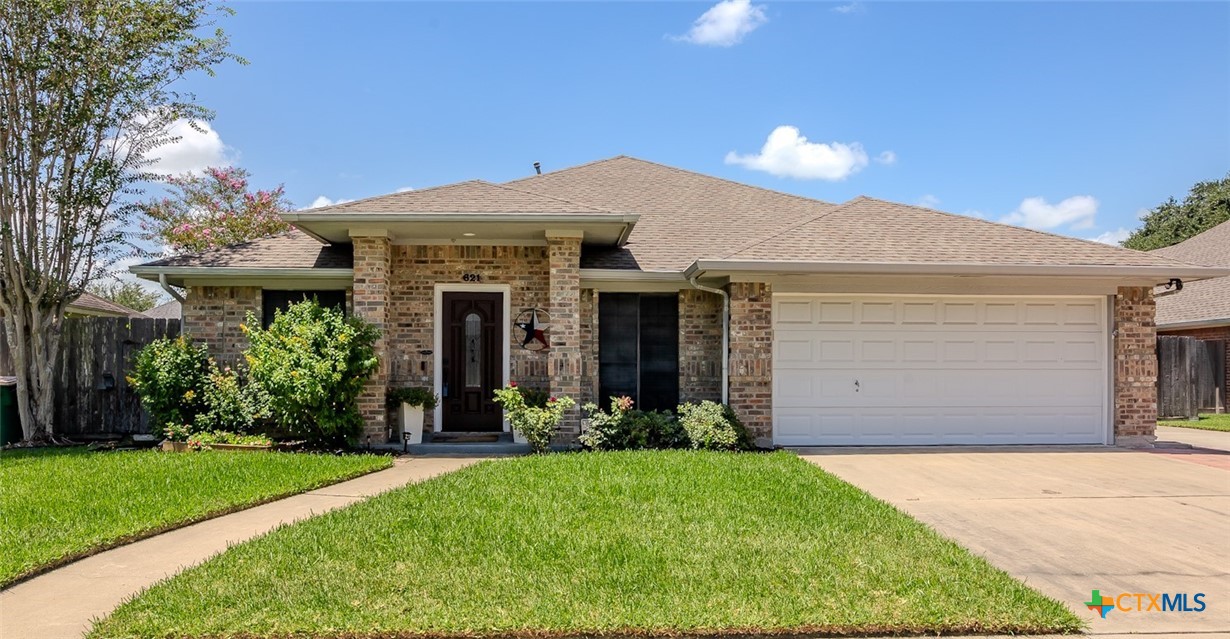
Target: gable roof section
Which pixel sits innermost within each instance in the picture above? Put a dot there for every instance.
(474, 196)
(1199, 303)
(683, 215)
(868, 230)
(292, 249)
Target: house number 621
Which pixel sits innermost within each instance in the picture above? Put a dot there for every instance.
(471, 277)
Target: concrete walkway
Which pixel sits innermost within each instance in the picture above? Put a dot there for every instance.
(1211, 439)
(63, 603)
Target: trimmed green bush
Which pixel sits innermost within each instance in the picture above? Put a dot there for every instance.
(624, 428)
(232, 404)
(312, 363)
(712, 426)
(536, 424)
(170, 375)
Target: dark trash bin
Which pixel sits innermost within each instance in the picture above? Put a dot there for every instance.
(10, 419)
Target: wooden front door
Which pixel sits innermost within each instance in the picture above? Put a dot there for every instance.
(473, 361)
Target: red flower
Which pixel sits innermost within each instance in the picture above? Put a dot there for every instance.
(551, 400)
(512, 384)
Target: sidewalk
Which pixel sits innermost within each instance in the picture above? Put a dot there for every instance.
(1212, 439)
(61, 604)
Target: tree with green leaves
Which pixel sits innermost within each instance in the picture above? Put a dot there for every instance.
(211, 210)
(1207, 204)
(126, 293)
(86, 97)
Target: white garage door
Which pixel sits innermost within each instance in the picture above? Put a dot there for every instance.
(939, 370)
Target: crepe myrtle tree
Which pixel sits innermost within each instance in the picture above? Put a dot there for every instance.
(211, 210)
(85, 97)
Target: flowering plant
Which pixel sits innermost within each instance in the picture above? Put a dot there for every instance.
(212, 210)
(536, 424)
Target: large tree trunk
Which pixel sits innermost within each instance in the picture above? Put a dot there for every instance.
(34, 341)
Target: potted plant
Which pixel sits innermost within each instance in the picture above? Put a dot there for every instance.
(532, 424)
(412, 402)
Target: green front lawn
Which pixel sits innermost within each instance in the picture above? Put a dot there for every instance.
(64, 503)
(571, 544)
(1206, 422)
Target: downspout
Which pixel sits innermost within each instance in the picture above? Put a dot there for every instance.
(162, 281)
(725, 334)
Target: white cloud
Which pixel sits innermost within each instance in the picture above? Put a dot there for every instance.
(193, 152)
(1114, 237)
(1076, 212)
(725, 24)
(928, 201)
(404, 189)
(853, 7)
(325, 201)
(787, 154)
(886, 157)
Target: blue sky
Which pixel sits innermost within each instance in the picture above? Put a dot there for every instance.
(1070, 117)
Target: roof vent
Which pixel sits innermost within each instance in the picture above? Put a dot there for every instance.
(538, 168)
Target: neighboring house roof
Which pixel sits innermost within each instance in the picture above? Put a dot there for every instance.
(168, 310)
(684, 218)
(91, 304)
(1205, 302)
(474, 196)
(292, 249)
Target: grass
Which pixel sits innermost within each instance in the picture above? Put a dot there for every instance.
(1206, 422)
(60, 504)
(657, 543)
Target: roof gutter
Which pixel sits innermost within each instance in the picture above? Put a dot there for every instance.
(160, 273)
(307, 216)
(1187, 272)
(162, 281)
(1191, 324)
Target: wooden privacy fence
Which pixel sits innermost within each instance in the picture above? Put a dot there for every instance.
(1191, 376)
(93, 398)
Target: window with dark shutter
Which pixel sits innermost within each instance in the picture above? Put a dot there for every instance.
(638, 348)
(272, 301)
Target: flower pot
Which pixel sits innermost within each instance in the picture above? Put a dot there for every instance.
(518, 437)
(175, 447)
(247, 447)
(412, 424)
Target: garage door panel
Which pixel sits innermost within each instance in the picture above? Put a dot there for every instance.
(939, 371)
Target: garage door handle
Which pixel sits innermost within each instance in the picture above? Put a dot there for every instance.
(856, 385)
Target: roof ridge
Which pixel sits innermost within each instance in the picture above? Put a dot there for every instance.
(1012, 226)
(836, 208)
(678, 170)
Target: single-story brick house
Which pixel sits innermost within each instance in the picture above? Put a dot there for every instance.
(860, 323)
(1201, 309)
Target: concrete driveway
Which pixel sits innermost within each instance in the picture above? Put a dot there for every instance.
(1070, 520)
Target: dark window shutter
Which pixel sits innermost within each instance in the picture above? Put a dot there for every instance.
(617, 345)
(638, 349)
(272, 301)
(659, 351)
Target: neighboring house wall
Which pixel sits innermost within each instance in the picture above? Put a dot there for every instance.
(1135, 366)
(1216, 333)
(700, 346)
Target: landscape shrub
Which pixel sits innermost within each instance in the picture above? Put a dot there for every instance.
(204, 439)
(312, 363)
(624, 428)
(536, 424)
(231, 404)
(712, 426)
(170, 376)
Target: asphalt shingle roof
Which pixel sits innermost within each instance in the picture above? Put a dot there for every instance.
(292, 249)
(91, 302)
(475, 196)
(1206, 300)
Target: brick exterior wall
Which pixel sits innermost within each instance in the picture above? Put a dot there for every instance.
(564, 357)
(700, 346)
(751, 357)
(1215, 333)
(589, 347)
(416, 270)
(213, 314)
(1135, 367)
(371, 302)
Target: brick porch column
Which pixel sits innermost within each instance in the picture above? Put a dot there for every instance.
(751, 358)
(371, 302)
(564, 358)
(1135, 367)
